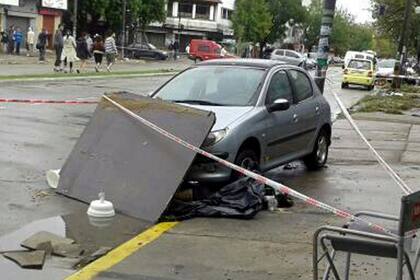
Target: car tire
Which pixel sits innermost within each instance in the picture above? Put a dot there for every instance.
(344, 85)
(370, 88)
(247, 159)
(319, 156)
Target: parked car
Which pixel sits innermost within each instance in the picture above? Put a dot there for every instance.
(359, 72)
(267, 114)
(357, 55)
(140, 50)
(202, 50)
(290, 57)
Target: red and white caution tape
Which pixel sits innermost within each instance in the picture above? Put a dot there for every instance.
(275, 185)
(40, 101)
(400, 182)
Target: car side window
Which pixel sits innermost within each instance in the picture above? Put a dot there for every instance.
(279, 52)
(291, 54)
(302, 85)
(279, 88)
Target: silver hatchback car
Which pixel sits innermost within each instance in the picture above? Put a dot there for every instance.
(267, 114)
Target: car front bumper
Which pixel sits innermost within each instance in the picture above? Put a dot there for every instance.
(204, 170)
(358, 80)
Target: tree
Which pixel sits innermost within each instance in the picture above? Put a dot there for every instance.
(252, 20)
(389, 15)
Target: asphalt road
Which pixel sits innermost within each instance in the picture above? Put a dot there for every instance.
(35, 138)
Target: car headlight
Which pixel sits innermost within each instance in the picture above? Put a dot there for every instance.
(214, 137)
(164, 53)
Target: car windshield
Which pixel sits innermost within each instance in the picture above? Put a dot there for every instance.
(152, 47)
(390, 63)
(360, 64)
(214, 85)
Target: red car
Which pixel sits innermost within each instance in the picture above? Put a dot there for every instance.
(205, 50)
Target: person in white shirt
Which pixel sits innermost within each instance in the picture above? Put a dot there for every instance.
(30, 40)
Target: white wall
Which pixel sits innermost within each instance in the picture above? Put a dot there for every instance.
(229, 4)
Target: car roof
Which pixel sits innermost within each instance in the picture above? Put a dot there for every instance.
(247, 62)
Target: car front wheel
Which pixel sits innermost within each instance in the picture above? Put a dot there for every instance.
(319, 156)
(247, 159)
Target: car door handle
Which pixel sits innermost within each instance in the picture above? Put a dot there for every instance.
(295, 118)
(317, 109)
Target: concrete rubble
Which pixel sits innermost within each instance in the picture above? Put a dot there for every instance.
(27, 259)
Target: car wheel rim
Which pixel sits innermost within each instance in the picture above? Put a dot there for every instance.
(322, 148)
(248, 163)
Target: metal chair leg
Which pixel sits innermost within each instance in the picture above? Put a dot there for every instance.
(330, 260)
(347, 273)
(328, 269)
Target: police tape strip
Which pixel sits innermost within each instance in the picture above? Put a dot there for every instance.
(400, 182)
(277, 186)
(39, 101)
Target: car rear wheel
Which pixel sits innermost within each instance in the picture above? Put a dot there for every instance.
(247, 159)
(370, 87)
(344, 85)
(319, 156)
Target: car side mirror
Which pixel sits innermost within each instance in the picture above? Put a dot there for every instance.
(280, 104)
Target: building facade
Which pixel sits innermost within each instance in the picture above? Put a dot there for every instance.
(193, 19)
(37, 14)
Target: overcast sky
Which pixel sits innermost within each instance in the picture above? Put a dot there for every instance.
(358, 8)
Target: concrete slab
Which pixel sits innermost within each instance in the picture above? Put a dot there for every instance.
(68, 250)
(378, 116)
(413, 146)
(367, 125)
(138, 169)
(376, 135)
(29, 259)
(378, 145)
(361, 156)
(42, 237)
(411, 157)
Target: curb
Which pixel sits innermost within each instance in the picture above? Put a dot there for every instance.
(98, 77)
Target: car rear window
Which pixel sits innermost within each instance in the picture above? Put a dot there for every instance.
(360, 65)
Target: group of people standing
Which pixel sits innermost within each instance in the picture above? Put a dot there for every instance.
(67, 49)
(13, 38)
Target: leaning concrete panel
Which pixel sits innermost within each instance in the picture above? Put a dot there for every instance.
(138, 169)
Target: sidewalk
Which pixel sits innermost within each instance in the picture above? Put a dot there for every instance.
(11, 65)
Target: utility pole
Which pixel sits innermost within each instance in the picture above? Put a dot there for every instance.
(75, 19)
(324, 43)
(402, 46)
(123, 28)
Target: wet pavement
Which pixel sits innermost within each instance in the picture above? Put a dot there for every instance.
(275, 245)
(89, 233)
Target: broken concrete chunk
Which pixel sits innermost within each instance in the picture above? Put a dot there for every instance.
(92, 257)
(44, 236)
(28, 259)
(67, 250)
(45, 246)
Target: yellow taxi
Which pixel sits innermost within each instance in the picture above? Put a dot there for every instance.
(359, 72)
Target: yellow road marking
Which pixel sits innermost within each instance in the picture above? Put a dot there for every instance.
(121, 252)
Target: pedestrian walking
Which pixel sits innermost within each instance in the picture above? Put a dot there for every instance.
(98, 52)
(69, 50)
(11, 38)
(58, 47)
(41, 44)
(176, 49)
(82, 51)
(110, 50)
(30, 40)
(4, 40)
(18, 35)
(89, 42)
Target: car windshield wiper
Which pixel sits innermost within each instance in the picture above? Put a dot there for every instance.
(199, 102)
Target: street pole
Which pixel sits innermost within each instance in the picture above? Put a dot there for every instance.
(123, 29)
(418, 34)
(402, 46)
(75, 18)
(324, 43)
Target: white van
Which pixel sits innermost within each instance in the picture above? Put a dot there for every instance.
(357, 55)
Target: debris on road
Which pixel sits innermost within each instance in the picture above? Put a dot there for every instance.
(92, 257)
(53, 176)
(138, 169)
(68, 250)
(241, 199)
(27, 259)
(41, 237)
(101, 208)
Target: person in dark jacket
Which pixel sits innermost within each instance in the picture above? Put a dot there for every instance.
(11, 37)
(4, 40)
(58, 47)
(98, 49)
(41, 44)
(82, 51)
